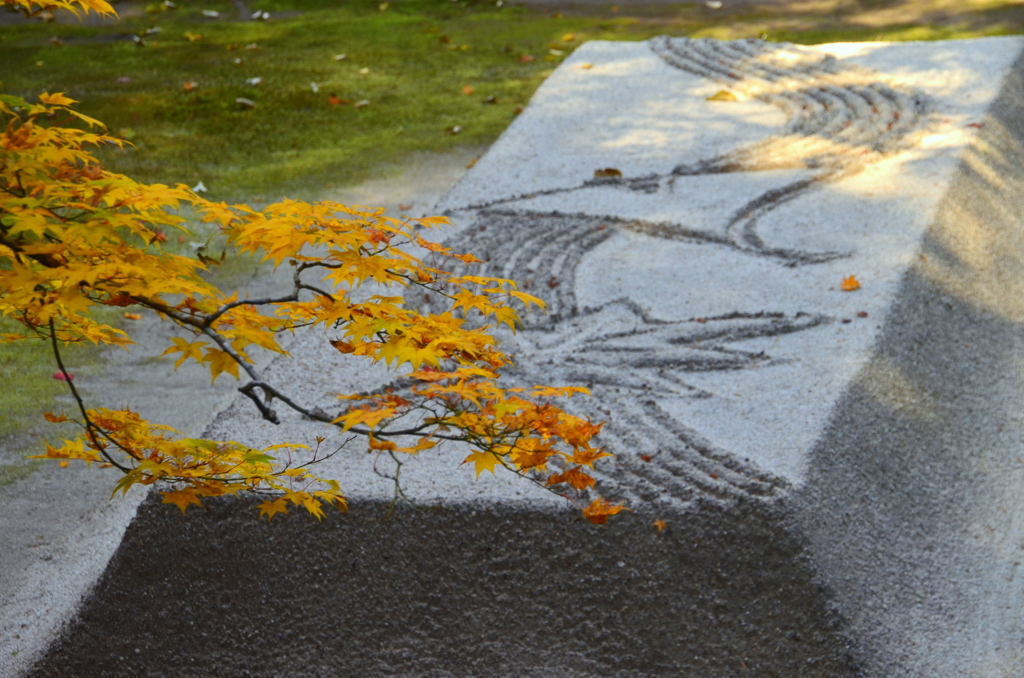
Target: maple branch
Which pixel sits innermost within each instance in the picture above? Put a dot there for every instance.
(213, 317)
(311, 288)
(90, 427)
(265, 411)
(47, 260)
(294, 296)
(398, 487)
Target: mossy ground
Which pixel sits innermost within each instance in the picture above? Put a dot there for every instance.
(411, 60)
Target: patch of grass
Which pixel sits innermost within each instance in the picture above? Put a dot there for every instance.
(420, 54)
(27, 369)
(12, 473)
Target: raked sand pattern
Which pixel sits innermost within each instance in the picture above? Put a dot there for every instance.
(838, 119)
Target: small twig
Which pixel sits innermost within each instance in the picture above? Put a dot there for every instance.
(90, 427)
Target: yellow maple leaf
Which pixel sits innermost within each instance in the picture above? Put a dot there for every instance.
(381, 445)
(272, 508)
(432, 246)
(313, 506)
(484, 461)
(723, 95)
(368, 416)
(181, 499)
(219, 362)
(187, 349)
(660, 524)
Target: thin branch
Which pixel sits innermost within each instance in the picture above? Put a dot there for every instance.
(212, 318)
(90, 427)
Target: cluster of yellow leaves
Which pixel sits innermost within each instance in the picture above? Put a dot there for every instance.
(33, 8)
(200, 468)
(74, 237)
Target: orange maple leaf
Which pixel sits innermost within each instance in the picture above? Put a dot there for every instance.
(850, 284)
(575, 477)
(660, 524)
(587, 456)
(600, 509)
(383, 445)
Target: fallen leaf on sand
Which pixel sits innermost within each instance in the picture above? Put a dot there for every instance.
(723, 95)
(660, 524)
(607, 172)
(850, 284)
